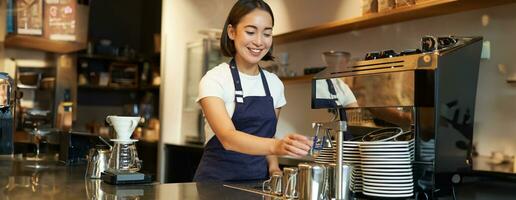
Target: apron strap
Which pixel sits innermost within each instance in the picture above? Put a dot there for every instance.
(264, 82)
(333, 92)
(239, 93)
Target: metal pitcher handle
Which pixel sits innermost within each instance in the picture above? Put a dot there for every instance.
(325, 191)
(267, 182)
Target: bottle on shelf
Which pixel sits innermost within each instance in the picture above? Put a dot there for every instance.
(65, 113)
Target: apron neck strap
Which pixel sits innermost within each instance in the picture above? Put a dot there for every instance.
(239, 93)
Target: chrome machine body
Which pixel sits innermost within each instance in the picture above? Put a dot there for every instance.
(430, 93)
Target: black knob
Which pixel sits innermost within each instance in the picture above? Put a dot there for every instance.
(388, 54)
(372, 55)
(428, 43)
(410, 52)
(445, 42)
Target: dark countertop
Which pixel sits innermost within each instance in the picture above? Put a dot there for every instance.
(20, 179)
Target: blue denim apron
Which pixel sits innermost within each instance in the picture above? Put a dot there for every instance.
(253, 115)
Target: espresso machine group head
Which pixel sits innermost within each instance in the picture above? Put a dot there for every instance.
(430, 92)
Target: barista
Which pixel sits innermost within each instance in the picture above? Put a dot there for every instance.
(242, 102)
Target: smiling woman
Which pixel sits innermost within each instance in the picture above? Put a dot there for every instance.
(241, 102)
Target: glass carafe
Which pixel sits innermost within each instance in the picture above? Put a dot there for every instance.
(124, 158)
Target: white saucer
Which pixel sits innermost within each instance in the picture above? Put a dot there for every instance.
(388, 153)
(386, 159)
(386, 162)
(123, 141)
(387, 170)
(391, 189)
(388, 195)
(407, 150)
(407, 156)
(389, 184)
(387, 173)
(402, 166)
(389, 177)
(386, 146)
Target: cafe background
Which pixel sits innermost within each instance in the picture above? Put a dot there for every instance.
(495, 114)
(135, 24)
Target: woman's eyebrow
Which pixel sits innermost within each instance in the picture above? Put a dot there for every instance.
(253, 26)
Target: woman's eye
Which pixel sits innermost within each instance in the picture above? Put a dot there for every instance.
(267, 34)
(249, 32)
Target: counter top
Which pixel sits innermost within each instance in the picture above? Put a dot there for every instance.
(25, 179)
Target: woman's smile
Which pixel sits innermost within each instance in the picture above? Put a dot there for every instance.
(252, 37)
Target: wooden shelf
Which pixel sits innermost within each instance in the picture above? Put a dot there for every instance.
(108, 88)
(110, 58)
(297, 79)
(421, 10)
(43, 44)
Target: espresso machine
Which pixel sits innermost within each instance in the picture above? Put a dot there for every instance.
(427, 92)
(6, 115)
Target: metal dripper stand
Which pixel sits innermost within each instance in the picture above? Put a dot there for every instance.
(337, 126)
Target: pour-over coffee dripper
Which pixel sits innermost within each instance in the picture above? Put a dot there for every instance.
(124, 126)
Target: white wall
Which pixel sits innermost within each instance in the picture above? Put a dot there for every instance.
(182, 19)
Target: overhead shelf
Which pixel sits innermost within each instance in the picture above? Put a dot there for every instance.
(42, 44)
(110, 88)
(297, 79)
(110, 58)
(420, 10)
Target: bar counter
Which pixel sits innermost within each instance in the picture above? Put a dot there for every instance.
(25, 179)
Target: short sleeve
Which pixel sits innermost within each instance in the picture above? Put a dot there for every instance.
(279, 98)
(209, 86)
(346, 96)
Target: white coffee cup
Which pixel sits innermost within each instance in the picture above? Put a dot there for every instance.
(124, 125)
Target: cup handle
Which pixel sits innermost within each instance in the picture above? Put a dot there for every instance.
(133, 125)
(108, 120)
(267, 182)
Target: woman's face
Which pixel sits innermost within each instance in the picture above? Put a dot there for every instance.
(252, 36)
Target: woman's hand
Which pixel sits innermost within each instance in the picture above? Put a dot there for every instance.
(294, 145)
(274, 168)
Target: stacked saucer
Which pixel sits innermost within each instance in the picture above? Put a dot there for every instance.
(387, 168)
(326, 155)
(351, 155)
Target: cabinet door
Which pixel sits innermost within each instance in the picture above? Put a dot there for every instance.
(201, 57)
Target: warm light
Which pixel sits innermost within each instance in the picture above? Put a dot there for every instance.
(485, 20)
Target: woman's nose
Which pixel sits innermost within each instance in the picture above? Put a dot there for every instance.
(258, 41)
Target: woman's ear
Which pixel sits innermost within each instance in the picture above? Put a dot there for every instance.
(231, 32)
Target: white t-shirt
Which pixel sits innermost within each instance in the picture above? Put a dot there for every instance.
(343, 92)
(218, 82)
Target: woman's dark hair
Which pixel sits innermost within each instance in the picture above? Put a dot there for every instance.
(239, 10)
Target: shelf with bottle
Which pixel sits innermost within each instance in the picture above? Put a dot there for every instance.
(119, 88)
(135, 59)
(297, 79)
(112, 74)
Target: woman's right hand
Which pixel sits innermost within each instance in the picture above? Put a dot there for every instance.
(294, 145)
